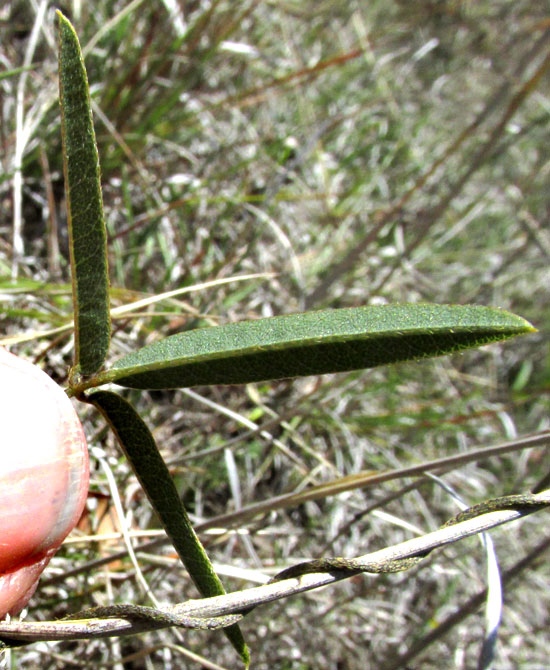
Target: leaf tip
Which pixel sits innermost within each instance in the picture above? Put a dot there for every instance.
(245, 655)
(61, 18)
(66, 29)
(523, 325)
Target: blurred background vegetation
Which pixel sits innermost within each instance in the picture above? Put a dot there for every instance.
(351, 153)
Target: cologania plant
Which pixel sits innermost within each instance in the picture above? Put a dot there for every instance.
(294, 345)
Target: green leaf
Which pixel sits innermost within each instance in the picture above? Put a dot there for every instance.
(140, 449)
(310, 344)
(87, 237)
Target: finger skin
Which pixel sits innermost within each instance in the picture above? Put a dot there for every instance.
(43, 476)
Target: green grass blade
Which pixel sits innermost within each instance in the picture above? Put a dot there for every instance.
(140, 449)
(312, 343)
(15, 71)
(88, 246)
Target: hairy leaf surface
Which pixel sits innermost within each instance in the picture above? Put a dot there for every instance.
(87, 237)
(140, 448)
(312, 343)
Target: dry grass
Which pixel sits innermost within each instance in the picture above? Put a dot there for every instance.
(363, 152)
